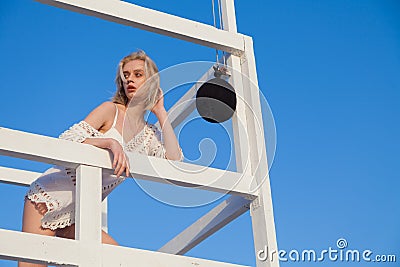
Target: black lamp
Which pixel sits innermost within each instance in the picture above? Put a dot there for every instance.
(216, 98)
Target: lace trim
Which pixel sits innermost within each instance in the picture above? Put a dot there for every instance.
(79, 132)
(61, 220)
(158, 149)
(51, 221)
(38, 195)
(149, 140)
(138, 140)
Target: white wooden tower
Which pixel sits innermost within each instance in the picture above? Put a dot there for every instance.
(90, 162)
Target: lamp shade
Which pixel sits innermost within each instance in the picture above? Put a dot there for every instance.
(216, 100)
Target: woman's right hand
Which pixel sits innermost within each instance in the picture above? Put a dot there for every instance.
(120, 160)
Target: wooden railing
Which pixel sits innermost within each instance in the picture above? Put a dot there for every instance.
(90, 162)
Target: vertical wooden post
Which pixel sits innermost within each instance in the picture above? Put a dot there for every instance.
(239, 120)
(88, 215)
(104, 215)
(261, 209)
(250, 145)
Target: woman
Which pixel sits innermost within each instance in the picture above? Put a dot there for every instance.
(50, 202)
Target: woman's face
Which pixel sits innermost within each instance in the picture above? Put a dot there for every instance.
(133, 72)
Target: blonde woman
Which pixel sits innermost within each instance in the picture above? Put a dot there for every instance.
(49, 207)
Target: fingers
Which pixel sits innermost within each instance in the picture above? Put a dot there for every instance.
(120, 162)
(121, 165)
(115, 161)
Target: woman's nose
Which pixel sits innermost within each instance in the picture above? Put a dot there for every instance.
(130, 78)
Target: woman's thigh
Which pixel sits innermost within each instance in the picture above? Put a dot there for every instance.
(69, 232)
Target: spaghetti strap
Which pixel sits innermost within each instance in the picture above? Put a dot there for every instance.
(116, 116)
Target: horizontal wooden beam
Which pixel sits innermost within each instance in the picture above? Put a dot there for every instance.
(17, 177)
(51, 150)
(67, 252)
(155, 21)
(38, 248)
(66, 153)
(189, 175)
(114, 256)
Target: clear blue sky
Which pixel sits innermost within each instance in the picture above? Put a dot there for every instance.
(329, 70)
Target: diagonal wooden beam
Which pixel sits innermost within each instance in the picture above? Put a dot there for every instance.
(207, 225)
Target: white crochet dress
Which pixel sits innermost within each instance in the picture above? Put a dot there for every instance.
(56, 186)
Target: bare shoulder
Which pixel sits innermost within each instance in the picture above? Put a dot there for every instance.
(106, 107)
(102, 116)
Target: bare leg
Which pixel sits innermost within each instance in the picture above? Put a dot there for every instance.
(69, 232)
(31, 223)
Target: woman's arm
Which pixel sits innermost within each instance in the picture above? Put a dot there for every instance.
(171, 145)
(101, 119)
(120, 163)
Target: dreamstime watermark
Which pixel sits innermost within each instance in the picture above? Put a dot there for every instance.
(338, 253)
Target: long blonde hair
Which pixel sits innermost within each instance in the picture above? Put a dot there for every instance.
(151, 86)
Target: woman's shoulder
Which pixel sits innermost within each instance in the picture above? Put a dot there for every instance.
(105, 109)
(101, 115)
(106, 106)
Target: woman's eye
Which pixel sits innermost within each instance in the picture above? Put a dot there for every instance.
(138, 75)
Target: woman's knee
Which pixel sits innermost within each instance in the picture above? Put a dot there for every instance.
(107, 239)
(67, 232)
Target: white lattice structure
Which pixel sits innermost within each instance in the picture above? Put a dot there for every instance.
(250, 151)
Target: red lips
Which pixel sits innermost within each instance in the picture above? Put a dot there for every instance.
(131, 88)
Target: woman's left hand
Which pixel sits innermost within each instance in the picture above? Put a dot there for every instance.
(159, 106)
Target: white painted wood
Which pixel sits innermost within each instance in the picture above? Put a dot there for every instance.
(207, 225)
(239, 120)
(228, 15)
(17, 177)
(155, 21)
(44, 249)
(38, 248)
(88, 214)
(61, 152)
(114, 256)
(51, 150)
(104, 215)
(249, 147)
(190, 175)
(261, 208)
